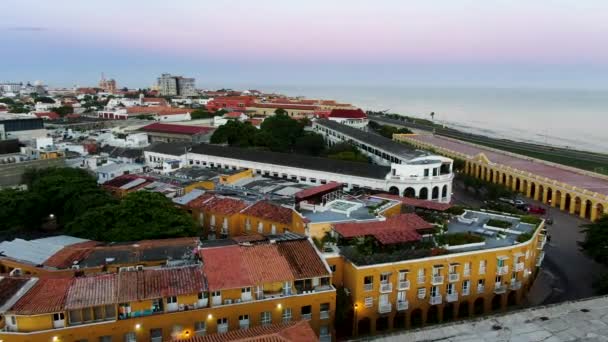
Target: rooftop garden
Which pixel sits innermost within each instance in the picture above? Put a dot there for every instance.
(499, 223)
(456, 239)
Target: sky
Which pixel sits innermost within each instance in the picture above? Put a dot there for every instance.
(499, 43)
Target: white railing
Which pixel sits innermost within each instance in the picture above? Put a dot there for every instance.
(519, 267)
(246, 296)
(466, 291)
(452, 277)
(222, 328)
(451, 297)
(368, 287)
(325, 338)
(482, 270)
(404, 285)
(437, 280)
(480, 288)
(324, 314)
(499, 288)
(435, 300)
(515, 285)
(307, 316)
(385, 308)
(386, 287)
(502, 270)
(539, 261)
(216, 300)
(466, 272)
(244, 324)
(402, 305)
(421, 280)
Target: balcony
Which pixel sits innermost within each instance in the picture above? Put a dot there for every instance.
(385, 308)
(224, 231)
(246, 296)
(216, 300)
(325, 338)
(502, 270)
(402, 305)
(368, 287)
(466, 291)
(466, 272)
(222, 328)
(481, 288)
(307, 316)
(386, 287)
(435, 300)
(451, 297)
(244, 324)
(519, 267)
(324, 314)
(404, 285)
(437, 280)
(421, 280)
(482, 270)
(539, 261)
(499, 288)
(515, 285)
(452, 277)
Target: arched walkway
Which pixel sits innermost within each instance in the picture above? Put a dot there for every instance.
(599, 210)
(588, 209)
(424, 193)
(524, 188)
(364, 326)
(416, 318)
(517, 184)
(432, 316)
(532, 190)
(577, 205)
(550, 196)
(496, 302)
(435, 194)
(444, 191)
(399, 320)
(512, 298)
(541, 193)
(557, 201)
(448, 312)
(463, 309)
(478, 306)
(409, 192)
(491, 179)
(393, 190)
(504, 179)
(510, 182)
(568, 202)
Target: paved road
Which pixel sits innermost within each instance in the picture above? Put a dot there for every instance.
(566, 273)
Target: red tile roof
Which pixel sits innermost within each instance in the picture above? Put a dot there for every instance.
(234, 115)
(297, 331)
(160, 110)
(126, 179)
(348, 113)
(397, 229)
(418, 203)
(249, 238)
(160, 100)
(198, 202)
(157, 283)
(259, 263)
(220, 205)
(9, 287)
(270, 212)
(67, 255)
(46, 296)
(92, 291)
(318, 190)
(49, 115)
(175, 129)
(284, 106)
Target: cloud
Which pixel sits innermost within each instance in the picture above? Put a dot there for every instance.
(27, 28)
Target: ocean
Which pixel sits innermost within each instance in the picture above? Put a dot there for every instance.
(575, 119)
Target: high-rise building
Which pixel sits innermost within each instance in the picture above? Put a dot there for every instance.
(170, 85)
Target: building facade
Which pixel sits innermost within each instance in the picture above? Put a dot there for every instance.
(170, 85)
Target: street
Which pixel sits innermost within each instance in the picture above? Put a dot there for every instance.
(566, 273)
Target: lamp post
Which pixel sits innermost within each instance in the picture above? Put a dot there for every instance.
(356, 306)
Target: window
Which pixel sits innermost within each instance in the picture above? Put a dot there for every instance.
(500, 262)
(286, 315)
(105, 338)
(13, 320)
(369, 302)
(266, 318)
(368, 283)
(332, 268)
(203, 295)
(451, 289)
(86, 315)
(222, 325)
(246, 290)
(482, 267)
(421, 293)
(200, 328)
(216, 293)
(306, 312)
(466, 287)
(58, 316)
(466, 269)
(171, 300)
(273, 229)
(130, 337)
(324, 310)
(384, 278)
(260, 227)
(401, 296)
(434, 291)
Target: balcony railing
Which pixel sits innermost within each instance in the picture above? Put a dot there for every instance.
(404, 285)
(452, 277)
(224, 231)
(499, 288)
(385, 308)
(435, 300)
(451, 297)
(515, 285)
(325, 338)
(368, 287)
(502, 270)
(222, 328)
(482, 270)
(307, 316)
(519, 267)
(402, 305)
(386, 287)
(466, 272)
(437, 280)
(324, 314)
(244, 324)
(539, 261)
(421, 280)
(481, 288)
(466, 291)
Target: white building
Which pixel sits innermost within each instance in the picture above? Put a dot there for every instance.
(169, 85)
(355, 118)
(112, 170)
(427, 177)
(46, 107)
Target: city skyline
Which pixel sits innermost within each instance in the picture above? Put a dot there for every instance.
(453, 43)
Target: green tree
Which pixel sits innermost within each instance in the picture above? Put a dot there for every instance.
(235, 133)
(310, 143)
(283, 129)
(595, 243)
(45, 99)
(63, 110)
(7, 101)
(20, 210)
(200, 113)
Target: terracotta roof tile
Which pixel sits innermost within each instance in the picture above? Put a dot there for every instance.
(271, 212)
(303, 259)
(297, 331)
(46, 296)
(318, 190)
(265, 264)
(347, 113)
(198, 202)
(418, 203)
(149, 284)
(67, 255)
(216, 262)
(395, 229)
(92, 291)
(222, 206)
(9, 287)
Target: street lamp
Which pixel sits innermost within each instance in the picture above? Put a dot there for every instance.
(356, 306)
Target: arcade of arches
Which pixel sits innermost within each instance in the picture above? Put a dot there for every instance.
(579, 202)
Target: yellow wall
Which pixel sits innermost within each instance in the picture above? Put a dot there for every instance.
(34, 323)
(318, 230)
(230, 179)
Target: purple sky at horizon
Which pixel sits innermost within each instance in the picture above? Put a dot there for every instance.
(554, 43)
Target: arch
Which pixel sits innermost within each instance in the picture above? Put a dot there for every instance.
(557, 200)
(509, 182)
(517, 184)
(588, 209)
(416, 318)
(497, 178)
(478, 306)
(532, 189)
(432, 315)
(496, 302)
(484, 175)
(448, 312)
(504, 179)
(491, 175)
(524, 188)
(393, 190)
(364, 326)
(577, 205)
(599, 210)
(399, 320)
(463, 309)
(568, 202)
(444, 191)
(382, 323)
(423, 193)
(512, 298)
(409, 192)
(435, 193)
(550, 196)
(541, 193)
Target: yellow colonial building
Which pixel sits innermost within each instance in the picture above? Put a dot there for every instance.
(579, 192)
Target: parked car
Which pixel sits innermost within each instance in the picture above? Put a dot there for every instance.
(507, 200)
(549, 220)
(534, 209)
